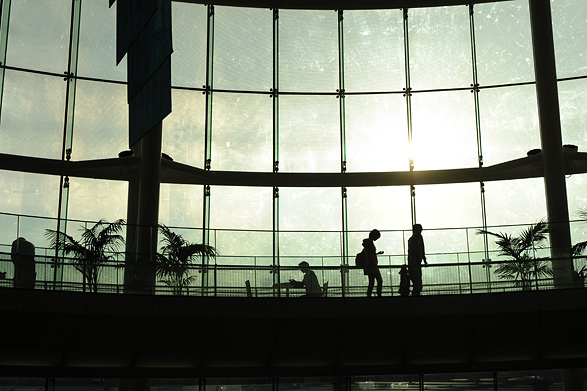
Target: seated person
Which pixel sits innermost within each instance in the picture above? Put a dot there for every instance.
(310, 281)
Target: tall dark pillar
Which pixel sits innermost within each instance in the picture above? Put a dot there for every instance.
(550, 134)
(140, 276)
(552, 152)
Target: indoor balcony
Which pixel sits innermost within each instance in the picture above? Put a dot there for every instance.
(236, 315)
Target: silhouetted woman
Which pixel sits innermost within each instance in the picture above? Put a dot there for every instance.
(371, 269)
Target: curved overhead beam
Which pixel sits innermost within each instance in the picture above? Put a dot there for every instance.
(178, 173)
(338, 4)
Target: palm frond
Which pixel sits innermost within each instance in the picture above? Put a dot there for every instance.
(578, 248)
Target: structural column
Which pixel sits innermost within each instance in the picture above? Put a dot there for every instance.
(550, 134)
(552, 152)
(140, 276)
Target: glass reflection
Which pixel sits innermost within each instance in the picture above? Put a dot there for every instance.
(444, 135)
(440, 48)
(101, 120)
(238, 64)
(376, 133)
(509, 123)
(243, 132)
(374, 46)
(503, 42)
(38, 36)
(33, 108)
(308, 51)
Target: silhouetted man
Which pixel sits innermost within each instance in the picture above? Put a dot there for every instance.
(310, 281)
(23, 257)
(416, 255)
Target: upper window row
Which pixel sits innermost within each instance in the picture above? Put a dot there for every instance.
(374, 49)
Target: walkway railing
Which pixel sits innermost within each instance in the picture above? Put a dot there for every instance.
(232, 280)
(461, 261)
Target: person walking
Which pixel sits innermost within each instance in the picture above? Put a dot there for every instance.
(416, 255)
(371, 269)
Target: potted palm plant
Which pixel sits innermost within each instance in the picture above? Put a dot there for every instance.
(576, 251)
(98, 245)
(175, 257)
(523, 267)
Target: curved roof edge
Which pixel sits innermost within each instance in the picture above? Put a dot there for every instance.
(338, 4)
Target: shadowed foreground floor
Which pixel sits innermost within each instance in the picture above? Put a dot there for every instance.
(65, 334)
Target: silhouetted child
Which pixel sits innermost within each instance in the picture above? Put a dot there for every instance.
(404, 281)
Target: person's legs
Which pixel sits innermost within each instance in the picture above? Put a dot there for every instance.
(415, 275)
(371, 283)
(416, 278)
(379, 283)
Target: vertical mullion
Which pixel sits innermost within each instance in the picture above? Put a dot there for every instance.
(66, 150)
(208, 139)
(275, 97)
(408, 95)
(475, 91)
(341, 94)
(3, 45)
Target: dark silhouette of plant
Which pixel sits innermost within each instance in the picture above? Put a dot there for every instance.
(175, 257)
(578, 248)
(98, 245)
(523, 266)
(576, 251)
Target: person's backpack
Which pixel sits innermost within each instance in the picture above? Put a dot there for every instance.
(361, 259)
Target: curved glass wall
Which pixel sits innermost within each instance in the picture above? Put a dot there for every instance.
(262, 90)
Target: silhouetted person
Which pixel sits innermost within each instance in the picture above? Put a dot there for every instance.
(371, 269)
(310, 281)
(404, 281)
(23, 258)
(416, 255)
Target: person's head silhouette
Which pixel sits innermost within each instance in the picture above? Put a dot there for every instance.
(375, 234)
(417, 229)
(304, 266)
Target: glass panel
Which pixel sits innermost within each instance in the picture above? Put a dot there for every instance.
(530, 380)
(239, 207)
(509, 123)
(97, 43)
(183, 129)
(310, 209)
(33, 108)
(440, 49)
(181, 206)
(392, 382)
(449, 206)
(576, 185)
(243, 48)
(242, 138)
(31, 194)
(95, 199)
(315, 210)
(459, 381)
(444, 133)
(572, 97)
(384, 208)
(238, 384)
(188, 61)
(374, 50)
(308, 51)
(503, 42)
(376, 133)
(515, 201)
(101, 120)
(309, 134)
(309, 383)
(38, 36)
(570, 34)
